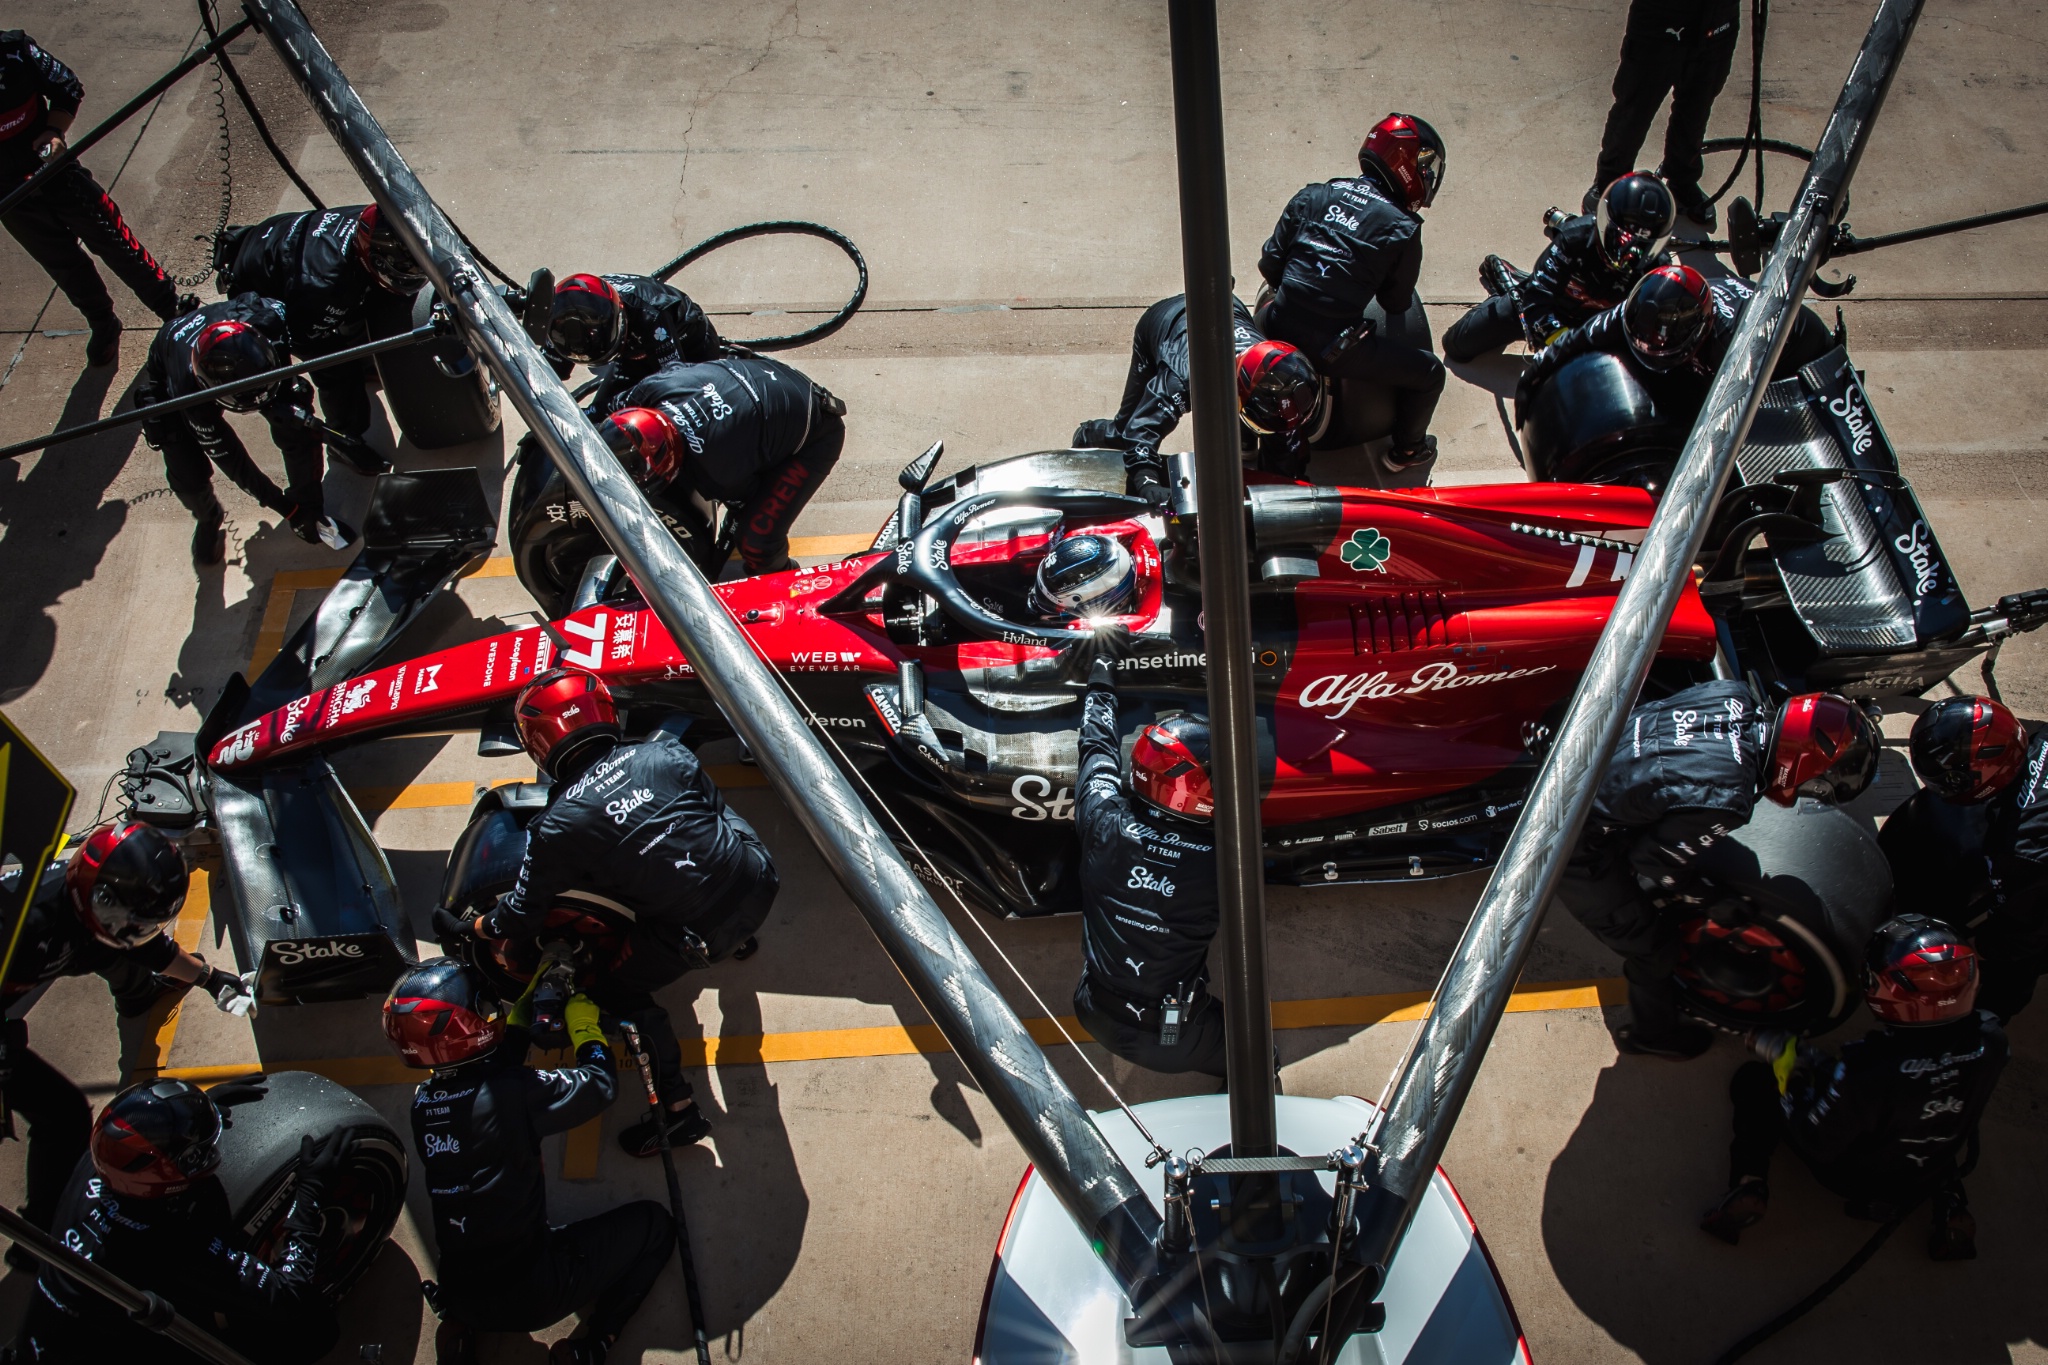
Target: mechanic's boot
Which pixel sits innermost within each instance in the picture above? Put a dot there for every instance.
(103, 347)
(1954, 1237)
(1682, 1044)
(1694, 204)
(591, 1350)
(455, 1344)
(322, 529)
(785, 565)
(1742, 1207)
(685, 1126)
(17, 1258)
(210, 538)
(1589, 202)
(1401, 459)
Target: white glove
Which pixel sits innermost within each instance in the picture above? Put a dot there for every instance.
(233, 994)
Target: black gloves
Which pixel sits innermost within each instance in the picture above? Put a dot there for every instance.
(1154, 492)
(226, 1097)
(450, 929)
(319, 1162)
(1106, 646)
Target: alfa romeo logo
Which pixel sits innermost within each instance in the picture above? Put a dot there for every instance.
(1368, 550)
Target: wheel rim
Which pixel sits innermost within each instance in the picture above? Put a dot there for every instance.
(1793, 990)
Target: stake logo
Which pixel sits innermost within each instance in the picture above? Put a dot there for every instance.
(292, 954)
(1862, 431)
(1031, 785)
(1917, 545)
(1368, 550)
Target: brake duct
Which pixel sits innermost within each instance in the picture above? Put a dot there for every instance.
(1055, 1132)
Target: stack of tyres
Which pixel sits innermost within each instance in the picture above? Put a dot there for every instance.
(438, 393)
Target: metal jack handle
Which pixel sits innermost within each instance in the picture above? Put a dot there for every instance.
(675, 1189)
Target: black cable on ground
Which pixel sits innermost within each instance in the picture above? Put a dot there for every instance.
(227, 68)
(1813, 1300)
(798, 228)
(1753, 135)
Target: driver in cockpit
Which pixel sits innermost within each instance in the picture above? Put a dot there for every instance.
(1084, 576)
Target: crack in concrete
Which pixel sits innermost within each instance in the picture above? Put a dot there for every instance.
(699, 105)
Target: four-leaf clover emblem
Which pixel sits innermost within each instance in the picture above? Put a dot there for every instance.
(1368, 549)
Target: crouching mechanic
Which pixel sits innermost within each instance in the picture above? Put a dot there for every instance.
(1974, 841)
(237, 338)
(104, 911)
(1892, 1120)
(1592, 262)
(625, 327)
(477, 1123)
(146, 1209)
(638, 829)
(1279, 399)
(742, 431)
(1148, 887)
(321, 265)
(1687, 772)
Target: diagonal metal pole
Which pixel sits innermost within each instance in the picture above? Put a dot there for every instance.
(1445, 1056)
(1077, 1163)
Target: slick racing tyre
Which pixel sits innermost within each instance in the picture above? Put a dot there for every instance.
(438, 393)
(1597, 422)
(1808, 886)
(259, 1168)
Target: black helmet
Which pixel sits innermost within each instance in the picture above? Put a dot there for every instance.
(126, 883)
(1968, 749)
(383, 253)
(1917, 972)
(1635, 217)
(153, 1140)
(229, 350)
(1665, 316)
(1085, 575)
(587, 321)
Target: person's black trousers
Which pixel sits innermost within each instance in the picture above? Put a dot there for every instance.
(603, 1266)
(767, 516)
(59, 1119)
(1416, 375)
(344, 395)
(71, 215)
(1681, 48)
(2013, 953)
(1107, 1019)
(1488, 326)
(1601, 892)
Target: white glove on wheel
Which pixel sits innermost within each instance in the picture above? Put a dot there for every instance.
(233, 994)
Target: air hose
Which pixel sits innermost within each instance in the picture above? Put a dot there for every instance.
(795, 227)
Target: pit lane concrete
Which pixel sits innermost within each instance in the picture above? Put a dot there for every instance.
(1008, 171)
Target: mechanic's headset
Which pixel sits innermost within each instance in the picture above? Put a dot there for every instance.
(927, 558)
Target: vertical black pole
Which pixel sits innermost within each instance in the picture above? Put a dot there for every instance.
(1226, 595)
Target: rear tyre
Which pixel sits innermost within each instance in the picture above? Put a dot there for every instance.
(553, 538)
(259, 1170)
(438, 393)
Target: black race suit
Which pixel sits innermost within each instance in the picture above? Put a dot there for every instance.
(1570, 283)
(308, 262)
(188, 1249)
(1156, 395)
(1148, 911)
(71, 214)
(1882, 1125)
(1984, 870)
(644, 830)
(1677, 47)
(755, 432)
(1688, 770)
(503, 1268)
(662, 326)
(1337, 247)
(54, 944)
(1727, 295)
(195, 440)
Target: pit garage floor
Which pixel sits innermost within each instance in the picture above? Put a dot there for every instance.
(1008, 170)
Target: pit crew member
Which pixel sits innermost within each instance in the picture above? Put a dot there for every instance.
(1680, 48)
(625, 327)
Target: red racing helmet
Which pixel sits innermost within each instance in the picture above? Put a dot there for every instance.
(1665, 316)
(588, 319)
(443, 1013)
(231, 349)
(561, 711)
(1170, 767)
(126, 883)
(1826, 747)
(155, 1139)
(1917, 972)
(1969, 749)
(1277, 389)
(1407, 156)
(646, 442)
(381, 251)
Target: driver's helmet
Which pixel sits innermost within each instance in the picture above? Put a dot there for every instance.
(231, 350)
(1666, 316)
(1277, 389)
(1635, 216)
(155, 1139)
(1085, 575)
(1169, 767)
(1826, 747)
(381, 251)
(1917, 972)
(1969, 749)
(443, 1013)
(126, 884)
